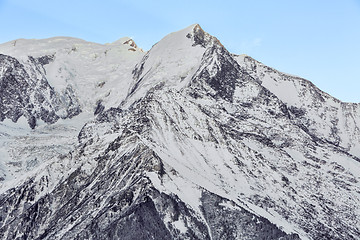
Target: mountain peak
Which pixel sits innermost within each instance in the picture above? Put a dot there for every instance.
(194, 28)
(185, 141)
(127, 41)
(175, 59)
(200, 37)
(172, 61)
(198, 29)
(131, 43)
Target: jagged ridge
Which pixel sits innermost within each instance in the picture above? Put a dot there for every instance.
(202, 147)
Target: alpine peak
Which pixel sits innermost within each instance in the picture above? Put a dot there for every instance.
(127, 42)
(185, 141)
(131, 43)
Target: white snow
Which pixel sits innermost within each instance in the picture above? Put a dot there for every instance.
(23, 150)
(172, 61)
(193, 161)
(323, 110)
(94, 71)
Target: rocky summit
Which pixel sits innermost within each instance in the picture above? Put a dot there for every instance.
(184, 141)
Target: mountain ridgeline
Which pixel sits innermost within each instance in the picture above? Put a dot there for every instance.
(184, 141)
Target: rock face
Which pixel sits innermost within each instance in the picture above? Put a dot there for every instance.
(26, 92)
(204, 145)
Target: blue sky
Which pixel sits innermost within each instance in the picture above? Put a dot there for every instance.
(315, 39)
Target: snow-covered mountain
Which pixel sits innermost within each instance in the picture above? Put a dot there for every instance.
(185, 141)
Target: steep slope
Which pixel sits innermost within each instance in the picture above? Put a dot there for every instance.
(323, 115)
(170, 62)
(95, 74)
(119, 181)
(199, 148)
(48, 83)
(26, 92)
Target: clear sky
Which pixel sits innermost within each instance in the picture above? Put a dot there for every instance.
(315, 39)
